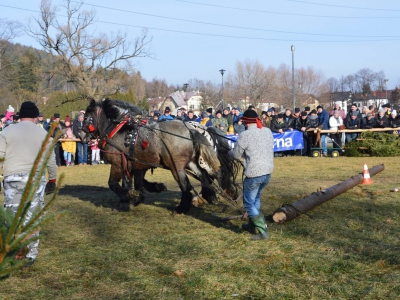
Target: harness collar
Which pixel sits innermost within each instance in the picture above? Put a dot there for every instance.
(125, 119)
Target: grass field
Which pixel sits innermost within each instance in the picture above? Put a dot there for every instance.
(348, 248)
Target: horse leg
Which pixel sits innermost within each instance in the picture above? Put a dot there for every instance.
(123, 193)
(153, 187)
(207, 191)
(137, 193)
(185, 186)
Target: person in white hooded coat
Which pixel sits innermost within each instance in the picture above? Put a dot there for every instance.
(335, 121)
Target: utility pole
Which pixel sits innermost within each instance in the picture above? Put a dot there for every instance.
(293, 92)
(222, 71)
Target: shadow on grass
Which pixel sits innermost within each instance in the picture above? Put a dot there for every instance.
(208, 213)
(99, 196)
(104, 197)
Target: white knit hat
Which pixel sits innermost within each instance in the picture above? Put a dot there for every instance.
(393, 112)
(10, 108)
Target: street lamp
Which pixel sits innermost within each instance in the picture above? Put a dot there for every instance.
(386, 81)
(293, 94)
(222, 71)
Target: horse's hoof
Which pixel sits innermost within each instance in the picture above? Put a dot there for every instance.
(122, 207)
(208, 194)
(137, 200)
(160, 187)
(181, 210)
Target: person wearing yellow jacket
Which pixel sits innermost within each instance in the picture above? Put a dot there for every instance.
(69, 147)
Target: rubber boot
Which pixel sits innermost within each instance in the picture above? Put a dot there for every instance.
(249, 227)
(261, 226)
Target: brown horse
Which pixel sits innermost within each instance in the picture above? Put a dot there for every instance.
(132, 147)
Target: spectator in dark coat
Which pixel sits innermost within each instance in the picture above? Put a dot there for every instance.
(82, 146)
(239, 127)
(353, 109)
(237, 115)
(296, 115)
(289, 120)
(394, 120)
(278, 125)
(369, 121)
(190, 117)
(303, 124)
(387, 108)
(381, 119)
(312, 116)
(353, 123)
(227, 115)
(323, 119)
(314, 122)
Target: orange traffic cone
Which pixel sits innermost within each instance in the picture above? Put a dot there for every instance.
(367, 178)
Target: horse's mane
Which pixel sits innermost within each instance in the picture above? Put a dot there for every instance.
(113, 108)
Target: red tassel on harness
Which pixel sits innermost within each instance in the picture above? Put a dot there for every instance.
(91, 128)
(144, 122)
(145, 144)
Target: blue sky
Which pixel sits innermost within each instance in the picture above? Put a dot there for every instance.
(194, 39)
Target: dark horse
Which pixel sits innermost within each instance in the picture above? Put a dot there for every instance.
(133, 146)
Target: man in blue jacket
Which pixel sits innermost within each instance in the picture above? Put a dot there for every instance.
(166, 116)
(323, 119)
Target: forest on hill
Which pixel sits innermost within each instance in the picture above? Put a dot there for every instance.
(31, 74)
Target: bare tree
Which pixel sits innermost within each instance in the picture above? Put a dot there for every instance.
(351, 83)
(9, 29)
(210, 94)
(251, 79)
(364, 80)
(93, 63)
(333, 85)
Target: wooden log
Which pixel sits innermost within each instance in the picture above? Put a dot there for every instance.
(289, 212)
(315, 130)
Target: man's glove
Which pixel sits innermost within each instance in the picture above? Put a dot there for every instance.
(50, 187)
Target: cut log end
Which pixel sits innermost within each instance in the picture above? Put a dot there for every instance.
(198, 201)
(279, 217)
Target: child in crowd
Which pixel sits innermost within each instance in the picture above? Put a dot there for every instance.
(69, 147)
(94, 146)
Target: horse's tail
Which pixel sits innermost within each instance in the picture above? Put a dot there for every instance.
(205, 154)
(229, 167)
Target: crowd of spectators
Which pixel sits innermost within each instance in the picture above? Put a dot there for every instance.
(72, 147)
(226, 120)
(229, 121)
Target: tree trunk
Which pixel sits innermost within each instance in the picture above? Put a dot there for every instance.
(291, 211)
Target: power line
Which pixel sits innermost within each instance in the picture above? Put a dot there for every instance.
(344, 6)
(232, 26)
(299, 15)
(218, 35)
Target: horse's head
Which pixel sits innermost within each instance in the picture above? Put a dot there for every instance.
(101, 114)
(92, 122)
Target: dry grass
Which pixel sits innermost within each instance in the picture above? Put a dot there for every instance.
(347, 249)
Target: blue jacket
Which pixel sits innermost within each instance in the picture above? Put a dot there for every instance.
(323, 119)
(165, 118)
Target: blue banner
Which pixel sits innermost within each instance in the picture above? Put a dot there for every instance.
(289, 140)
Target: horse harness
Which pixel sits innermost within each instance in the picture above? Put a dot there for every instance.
(130, 139)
